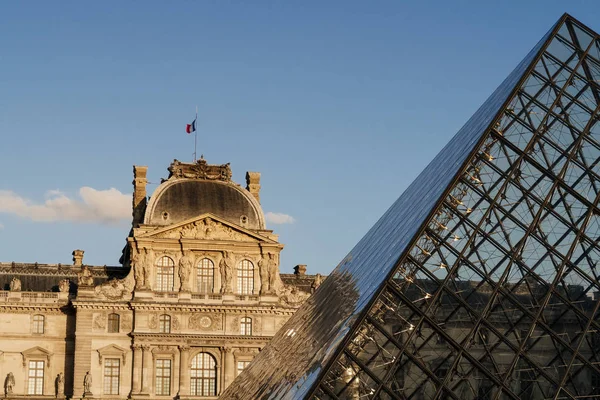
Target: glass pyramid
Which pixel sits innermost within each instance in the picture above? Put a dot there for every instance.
(481, 280)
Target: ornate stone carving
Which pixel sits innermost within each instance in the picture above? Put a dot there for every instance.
(273, 268)
(59, 384)
(200, 170)
(206, 229)
(84, 277)
(15, 284)
(226, 269)
(64, 285)
(87, 383)
(205, 322)
(126, 323)
(9, 384)
(186, 263)
(316, 283)
(263, 269)
(235, 324)
(100, 321)
(142, 264)
(115, 289)
(175, 323)
(291, 295)
(153, 322)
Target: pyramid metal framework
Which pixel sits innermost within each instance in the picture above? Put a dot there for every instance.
(481, 280)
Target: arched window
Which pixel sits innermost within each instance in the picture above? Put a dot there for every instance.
(203, 375)
(38, 323)
(165, 270)
(246, 326)
(205, 276)
(113, 323)
(164, 323)
(245, 277)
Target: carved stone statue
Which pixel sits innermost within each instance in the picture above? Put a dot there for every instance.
(273, 273)
(226, 268)
(148, 265)
(84, 277)
(142, 265)
(138, 270)
(317, 282)
(15, 285)
(263, 268)
(87, 383)
(9, 383)
(64, 285)
(60, 384)
(186, 264)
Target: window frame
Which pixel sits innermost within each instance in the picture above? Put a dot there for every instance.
(164, 323)
(165, 274)
(245, 277)
(108, 380)
(113, 323)
(38, 325)
(161, 380)
(203, 375)
(246, 326)
(205, 272)
(38, 381)
(244, 363)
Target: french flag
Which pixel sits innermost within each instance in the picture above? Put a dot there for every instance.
(189, 128)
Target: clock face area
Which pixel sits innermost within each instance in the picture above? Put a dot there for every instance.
(205, 322)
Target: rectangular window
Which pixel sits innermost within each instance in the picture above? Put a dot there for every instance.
(241, 365)
(163, 377)
(38, 324)
(35, 382)
(112, 372)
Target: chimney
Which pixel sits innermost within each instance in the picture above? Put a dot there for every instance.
(300, 270)
(139, 194)
(78, 258)
(253, 184)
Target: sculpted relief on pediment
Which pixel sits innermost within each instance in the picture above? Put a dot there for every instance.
(206, 229)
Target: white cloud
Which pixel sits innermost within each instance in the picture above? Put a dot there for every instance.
(279, 218)
(104, 206)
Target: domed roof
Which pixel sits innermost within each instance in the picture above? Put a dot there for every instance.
(199, 188)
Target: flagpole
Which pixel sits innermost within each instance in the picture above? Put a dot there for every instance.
(195, 134)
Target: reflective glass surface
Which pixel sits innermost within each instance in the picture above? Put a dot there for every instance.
(480, 281)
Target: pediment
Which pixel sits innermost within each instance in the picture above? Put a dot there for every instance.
(112, 350)
(206, 227)
(36, 352)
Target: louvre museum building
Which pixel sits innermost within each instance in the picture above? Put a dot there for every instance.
(198, 296)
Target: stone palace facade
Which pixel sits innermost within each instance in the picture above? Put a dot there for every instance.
(198, 296)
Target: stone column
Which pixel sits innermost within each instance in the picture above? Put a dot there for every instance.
(146, 370)
(136, 379)
(83, 349)
(184, 370)
(229, 368)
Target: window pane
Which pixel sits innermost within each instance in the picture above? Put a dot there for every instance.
(112, 372)
(246, 326)
(241, 365)
(38, 324)
(163, 377)
(245, 277)
(113, 323)
(203, 375)
(165, 270)
(35, 379)
(205, 276)
(165, 324)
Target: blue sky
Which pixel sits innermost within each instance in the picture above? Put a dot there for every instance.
(338, 104)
